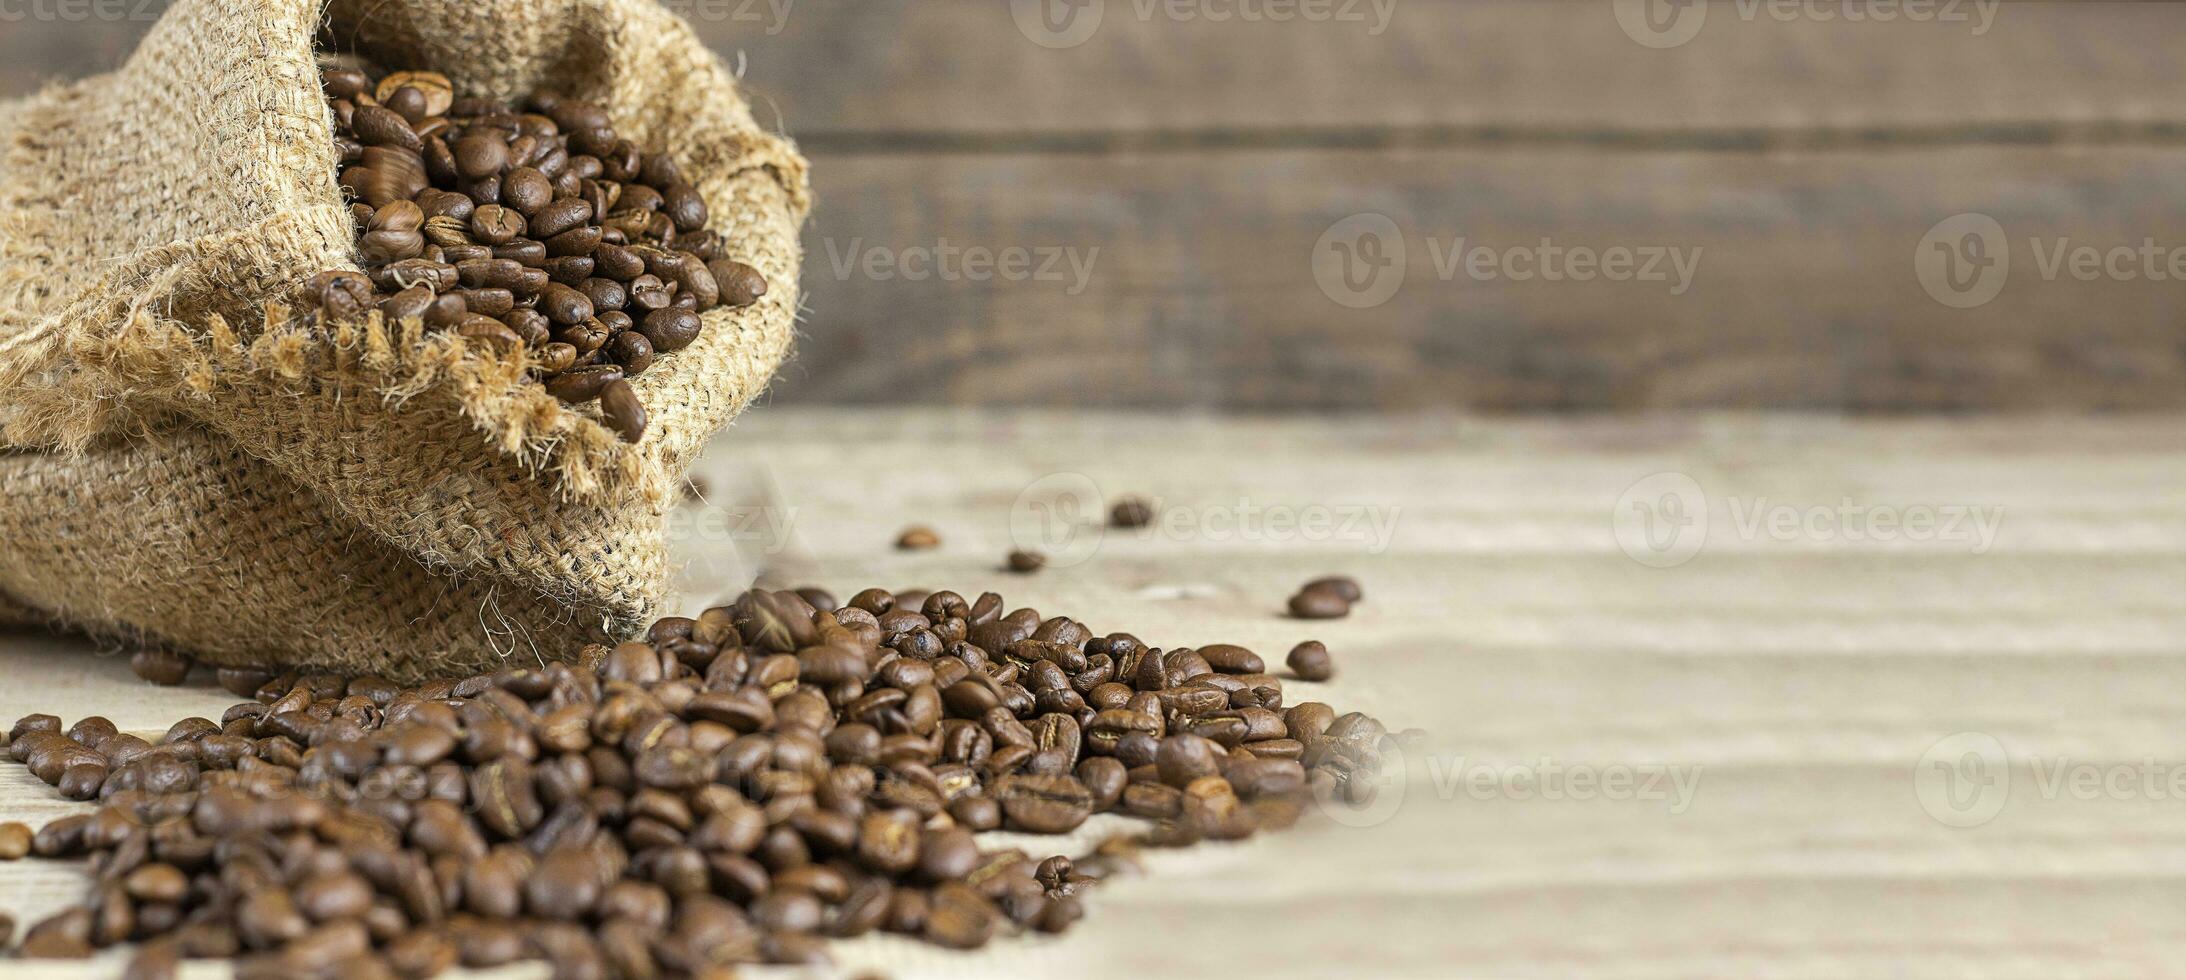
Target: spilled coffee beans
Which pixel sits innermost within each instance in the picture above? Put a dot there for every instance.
(728, 789)
(538, 231)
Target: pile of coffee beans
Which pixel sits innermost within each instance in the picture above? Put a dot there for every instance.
(733, 788)
(538, 231)
(1326, 598)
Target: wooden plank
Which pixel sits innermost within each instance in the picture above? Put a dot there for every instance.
(1199, 288)
(1794, 684)
(849, 72)
(960, 73)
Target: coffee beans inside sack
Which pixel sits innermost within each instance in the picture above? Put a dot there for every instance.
(291, 372)
(540, 232)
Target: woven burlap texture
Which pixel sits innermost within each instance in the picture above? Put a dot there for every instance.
(366, 496)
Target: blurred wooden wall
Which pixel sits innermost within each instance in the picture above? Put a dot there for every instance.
(1194, 169)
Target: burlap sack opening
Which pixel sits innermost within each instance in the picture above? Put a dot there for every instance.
(152, 224)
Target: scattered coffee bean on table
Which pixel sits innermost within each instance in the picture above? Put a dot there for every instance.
(1326, 598)
(163, 667)
(537, 230)
(1025, 562)
(1131, 512)
(918, 537)
(732, 788)
(1310, 661)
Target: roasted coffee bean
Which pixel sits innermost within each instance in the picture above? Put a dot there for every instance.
(1230, 658)
(160, 666)
(631, 350)
(621, 411)
(918, 538)
(1044, 804)
(527, 190)
(1319, 604)
(1341, 585)
(584, 384)
(671, 329)
(565, 306)
(15, 840)
(1310, 661)
(378, 126)
(740, 284)
(1131, 512)
(1026, 561)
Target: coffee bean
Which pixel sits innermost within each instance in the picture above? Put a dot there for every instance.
(621, 411)
(918, 538)
(15, 838)
(376, 126)
(1310, 661)
(631, 350)
(1025, 562)
(740, 284)
(671, 329)
(1319, 604)
(584, 384)
(1230, 658)
(497, 225)
(561, 216)
(1044, 804)
(160, 666)
(564, 305)
(1131, 512)
(490, 331)
(1342, 585)
(527, 190)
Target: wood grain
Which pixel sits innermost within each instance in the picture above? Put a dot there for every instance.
(1202, 292)
(1795, 682)
(870, 75)
(1803, 159)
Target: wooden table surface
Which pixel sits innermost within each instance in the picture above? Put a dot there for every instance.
(1905, 701)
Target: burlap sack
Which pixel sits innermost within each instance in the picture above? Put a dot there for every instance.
(185, 464)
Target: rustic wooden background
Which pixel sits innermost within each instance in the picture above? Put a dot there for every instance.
(1805, 160)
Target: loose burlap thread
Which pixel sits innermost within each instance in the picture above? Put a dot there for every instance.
(188, 463)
